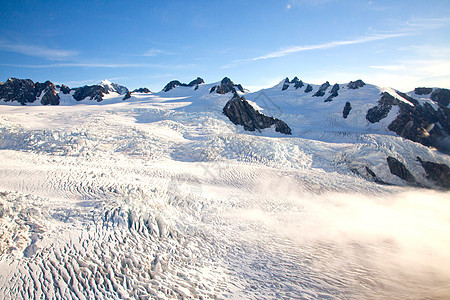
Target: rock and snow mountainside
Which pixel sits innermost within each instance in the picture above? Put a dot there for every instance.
(162, 196)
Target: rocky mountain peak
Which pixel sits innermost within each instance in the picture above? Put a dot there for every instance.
(240, 112)
(174, 83)
(226, 86)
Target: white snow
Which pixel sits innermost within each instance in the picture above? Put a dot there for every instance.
(162, 197)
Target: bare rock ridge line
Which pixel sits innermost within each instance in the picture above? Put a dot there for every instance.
(174, 83)
(25, 91)
(240, 112)
(226, 86)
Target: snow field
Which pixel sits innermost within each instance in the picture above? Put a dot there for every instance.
(162, 197)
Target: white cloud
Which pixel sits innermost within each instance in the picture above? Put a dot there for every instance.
(328, 45)
(389, 67)
(154, 52)
(38, 51)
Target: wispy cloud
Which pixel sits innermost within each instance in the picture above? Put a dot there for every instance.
(428, 23)
(155, 52)
(99, 65)
(37, 51)
(328, 45)
(389, 67)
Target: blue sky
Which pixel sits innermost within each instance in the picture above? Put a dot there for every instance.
(401, 44)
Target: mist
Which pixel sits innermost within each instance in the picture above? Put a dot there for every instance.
(395, 243)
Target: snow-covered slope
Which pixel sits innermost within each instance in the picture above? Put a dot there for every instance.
(160, 196)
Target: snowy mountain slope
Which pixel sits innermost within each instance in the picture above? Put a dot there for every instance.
(161, 196)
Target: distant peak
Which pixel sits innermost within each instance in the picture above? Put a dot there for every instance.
(106, 82)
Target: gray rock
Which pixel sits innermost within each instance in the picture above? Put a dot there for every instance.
(439, 173)
(308, 88)
(422, 91)
(226, 86)
(353, 85)
(142, 90)
(240, 112)
(399, 169)
(286, 84)
(322, 89)
(347, 109)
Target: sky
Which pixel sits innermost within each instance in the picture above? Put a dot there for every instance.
(399, 44)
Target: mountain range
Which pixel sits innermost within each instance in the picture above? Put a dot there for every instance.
(291, 107)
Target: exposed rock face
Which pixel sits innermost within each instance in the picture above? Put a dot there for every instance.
(333, 92)
(381, 111)
(322, 89)
(49, 94)
(94, 92)
(441, 96)
(373, 176)
(26, 91)
(422, 91)
(286, 84)
(226, 86)
(64, 89)
(172, 85)
(353, 85)
(196, 82)
(240, 112)
(422, 124)
(175, 83)
(347, 109)
(142, 90)
(308, 88)
(437, 172)
(399, 169)
(127, 96)
(297, 83)
(20, 90)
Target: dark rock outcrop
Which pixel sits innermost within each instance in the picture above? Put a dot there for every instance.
(373, 177)
(49, 96)
(19, 90)
(26, 91)
(308, 88)
(64, 89)
(226, 86)
(333, 92)
(422, 91)
(171, 85)
(322, 89)
(441, 96)
(347, 109)
(175, 83)
(354, 85)
(286, 84)
(196, 82)
(399, 169)
(422, 124)
(381, 111)
(127, 96)
(94, 92)
(142, 90)
(297, 83)
(437, 172)
(240, 112)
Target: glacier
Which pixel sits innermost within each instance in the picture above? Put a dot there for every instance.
(162, 197)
